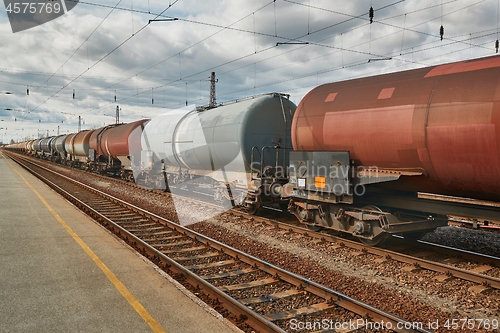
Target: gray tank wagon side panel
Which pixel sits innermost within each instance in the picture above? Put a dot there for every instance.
(212, 139)
(45, 144)
(59, 144)
(36, 145)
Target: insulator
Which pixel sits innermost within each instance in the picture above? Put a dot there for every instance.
(27, 91)
(496, 45)
(441, 32)
(115, 98)
(152, 101)
(371, 15)
(73, 94)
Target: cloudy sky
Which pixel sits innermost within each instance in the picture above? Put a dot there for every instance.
(102, 49)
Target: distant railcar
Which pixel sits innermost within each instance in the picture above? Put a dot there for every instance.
(112, 148)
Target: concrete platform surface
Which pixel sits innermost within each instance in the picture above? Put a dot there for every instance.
(62, 272)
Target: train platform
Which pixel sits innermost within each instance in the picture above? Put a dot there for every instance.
(62, 272)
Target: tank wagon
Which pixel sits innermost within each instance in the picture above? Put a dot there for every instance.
(239, 149)
(59, 146)
(36, 147)
(78, 149)
(384, 140)
(115, 149)
(47, 146)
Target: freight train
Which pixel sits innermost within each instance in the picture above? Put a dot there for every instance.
(238, 150)
(388, 154)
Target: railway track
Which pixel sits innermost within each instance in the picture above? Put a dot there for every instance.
(484, 269)
(256, 293)
(481, 269)
(448, 263)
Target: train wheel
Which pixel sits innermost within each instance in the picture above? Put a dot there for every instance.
(374, 241)
(379, 239)
(252, 208)
(251, 205)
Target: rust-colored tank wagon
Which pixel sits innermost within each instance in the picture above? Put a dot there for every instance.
(121, 141)
(29, 147)
(81, 145)
(20, 146)
(441, 121)
(68, 144)
(95, 141)
(398, 153)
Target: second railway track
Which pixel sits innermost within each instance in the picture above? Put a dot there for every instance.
(482, 270)
(256, 293)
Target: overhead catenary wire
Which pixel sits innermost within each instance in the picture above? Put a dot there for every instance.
(254, 31)
(105, 56)
(86, 40)
(289, 39)
(254, 63)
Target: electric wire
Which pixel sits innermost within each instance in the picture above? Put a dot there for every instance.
(254, 32)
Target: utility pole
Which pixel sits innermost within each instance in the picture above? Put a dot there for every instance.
(212, 102)
(117, 115)
(79, 123)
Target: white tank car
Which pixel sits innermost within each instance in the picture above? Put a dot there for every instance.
(238, 148)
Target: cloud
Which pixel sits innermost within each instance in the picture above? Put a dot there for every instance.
(170, 62)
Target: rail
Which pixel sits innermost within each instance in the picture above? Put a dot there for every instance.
(241, 311)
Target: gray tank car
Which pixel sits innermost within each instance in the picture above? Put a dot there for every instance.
(239, 149)
(59, 145)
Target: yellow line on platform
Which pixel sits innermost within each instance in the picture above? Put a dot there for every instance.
(155, 326)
